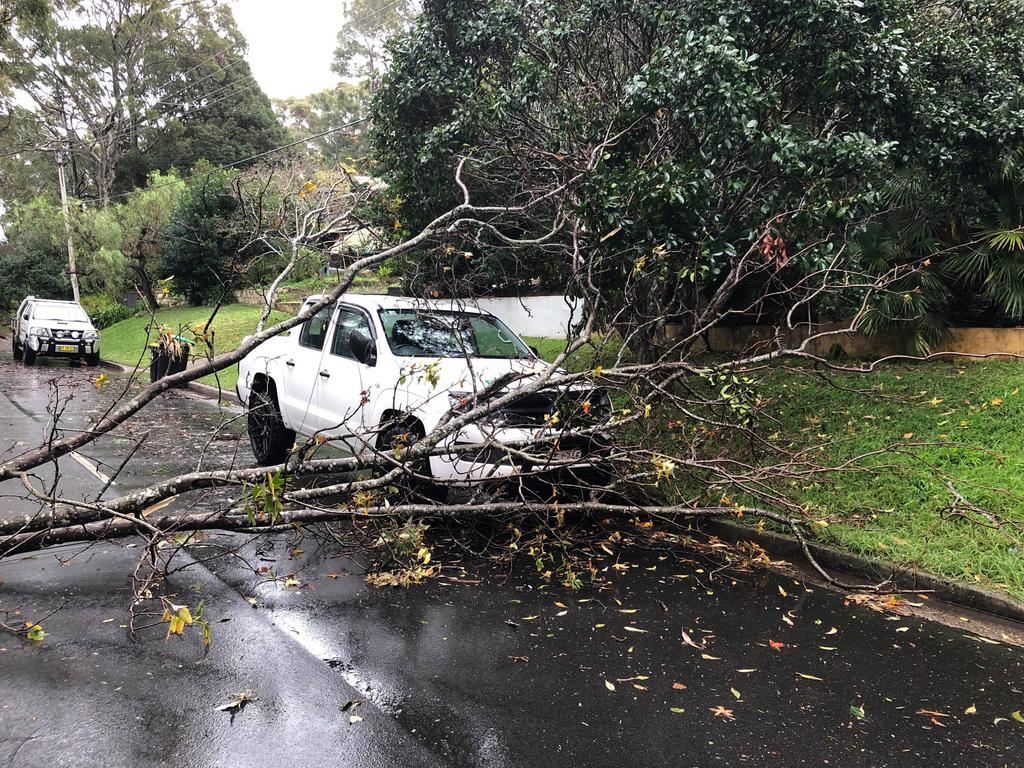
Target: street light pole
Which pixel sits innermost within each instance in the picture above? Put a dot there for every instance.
(72, 271)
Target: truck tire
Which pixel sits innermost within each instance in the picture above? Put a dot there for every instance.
(28, 357)
(270, 439)
(15, 349)
(411, 489)
(92, 360)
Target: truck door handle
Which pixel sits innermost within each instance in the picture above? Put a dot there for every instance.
(290, 363)
(325, 374)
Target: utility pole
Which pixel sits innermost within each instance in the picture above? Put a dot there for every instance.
(72, 271)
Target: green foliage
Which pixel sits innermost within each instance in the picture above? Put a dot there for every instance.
(224, 118)
(368, 24)
(33, 261)
(143, 218)
(331, 108)
(202, 245)
(737, 121)
(102, 268)
(104, 310)
(139, 85)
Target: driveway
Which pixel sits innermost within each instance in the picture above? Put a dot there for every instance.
(487, 665)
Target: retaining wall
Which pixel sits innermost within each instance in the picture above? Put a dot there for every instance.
(971, 341)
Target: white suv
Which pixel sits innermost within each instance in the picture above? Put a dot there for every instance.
(46, 327)
(373, 372)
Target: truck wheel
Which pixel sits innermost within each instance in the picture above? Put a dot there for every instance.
(28, 356)
(15, 349)
(402, 434)
(92, 359)
(269, 437)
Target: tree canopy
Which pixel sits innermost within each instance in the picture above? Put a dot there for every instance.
(737, 125)
(130, 86)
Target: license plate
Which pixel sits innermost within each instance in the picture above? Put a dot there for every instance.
(67, 348)
(574, 454)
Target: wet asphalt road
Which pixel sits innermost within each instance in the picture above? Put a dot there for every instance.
(481, 667)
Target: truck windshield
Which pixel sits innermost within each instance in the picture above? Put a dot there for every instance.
(70, 312)
(412, 333)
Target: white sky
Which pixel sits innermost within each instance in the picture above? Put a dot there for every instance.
(291, 43)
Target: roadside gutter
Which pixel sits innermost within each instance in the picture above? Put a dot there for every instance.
(778, 545)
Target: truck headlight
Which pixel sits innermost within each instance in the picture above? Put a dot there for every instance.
(460, 401)
(42, 333)
(91, 335)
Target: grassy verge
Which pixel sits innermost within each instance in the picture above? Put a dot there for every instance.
(911, 431)
(926, 427)
(126, 342)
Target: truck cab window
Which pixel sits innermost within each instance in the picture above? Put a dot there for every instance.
(348, 321)
(314, 330)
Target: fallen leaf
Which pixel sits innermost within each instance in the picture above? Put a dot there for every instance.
(353, 719)
(709, 657)
(635, 629)
(677, 710)
(679, 686)
(561, 613)
(721, 711)
(971, 710)
(689, 641)
(351, 704)
(857, 712)
(782, 591)
(809, 677)
(238, 702)
(776, 645)
(931, 713)
(832, 631)
(748, 670)
(735, 693)
(609, 686)
(1016, 715)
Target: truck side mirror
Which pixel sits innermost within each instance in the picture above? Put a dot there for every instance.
(363, 348)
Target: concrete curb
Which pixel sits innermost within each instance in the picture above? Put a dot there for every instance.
(212, 393)
(776, 544)
(225, 395)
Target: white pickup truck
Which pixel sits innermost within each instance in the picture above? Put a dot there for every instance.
(372, 372)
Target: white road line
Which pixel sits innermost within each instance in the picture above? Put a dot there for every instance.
(96, 472)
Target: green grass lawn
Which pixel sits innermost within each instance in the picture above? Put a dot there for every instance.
(931, 425)
(912, 429)
(126, 342)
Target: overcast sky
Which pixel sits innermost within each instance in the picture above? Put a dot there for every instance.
(291, 43)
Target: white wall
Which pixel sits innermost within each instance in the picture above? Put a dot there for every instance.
(532, 315)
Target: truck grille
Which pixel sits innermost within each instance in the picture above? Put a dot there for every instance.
(572, 407)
